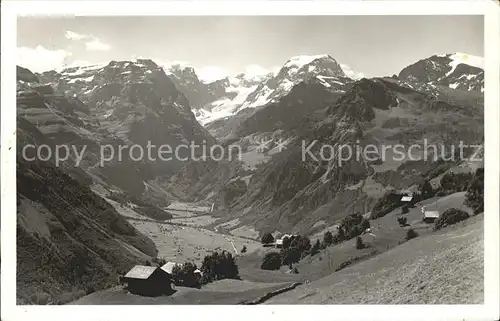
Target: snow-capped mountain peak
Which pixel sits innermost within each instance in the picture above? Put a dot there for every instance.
(463, 58)
(258, 87)
(249, 79)
(297, 69)
(457, 71)
(85, 82)
(300, 65)
(302, 60)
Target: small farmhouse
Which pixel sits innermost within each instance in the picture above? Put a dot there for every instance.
(279, 241)
(406, 198)
(169, 267)
(147, 281)
(430, 216)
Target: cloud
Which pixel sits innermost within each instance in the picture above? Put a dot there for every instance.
(76, 36)
(276, 69)
(351, 73)
(92, 43)
(97, 45)
(256, 70)
(41, 59)
(206, 74)
(172, 64)
(211, 73)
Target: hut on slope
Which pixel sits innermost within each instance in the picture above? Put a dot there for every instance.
(147, 281)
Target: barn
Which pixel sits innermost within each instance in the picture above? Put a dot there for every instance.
(430, 216)
(406, 198)
(279, 241)
(169, 267)
(147, 281)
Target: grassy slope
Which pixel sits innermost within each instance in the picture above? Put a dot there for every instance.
(68, 238)
(444, 268)
(388, 234)
(220, 292)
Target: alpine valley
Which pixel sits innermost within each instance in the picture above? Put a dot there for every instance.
(82, 223)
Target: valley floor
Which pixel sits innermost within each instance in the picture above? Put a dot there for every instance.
(188, 236)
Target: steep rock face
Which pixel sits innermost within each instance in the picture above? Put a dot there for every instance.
(457, 71)
(294, 183)
(293, 190)
(69, 239)
(25, 75)
(127, 103)
(365, 96)
(288, 112)
(276, 123)
(198, 93)
(66, 121)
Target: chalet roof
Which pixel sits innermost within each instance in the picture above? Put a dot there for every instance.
(431, 214)
(286, 235)
(406, 198)
(141, 272)
(169, 266)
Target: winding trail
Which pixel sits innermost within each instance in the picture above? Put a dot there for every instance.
(231, 241)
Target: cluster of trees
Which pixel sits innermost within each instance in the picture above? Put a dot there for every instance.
(402, 221)
(391, 200)
(410, 234)
(387, 203)
(218, 266)
(350, 227)
(449, 217)
(185, 275)
(293, 250)
(315, 248)
(267, 239)
(359, 243)
(474, 198)
(425, 191)
(215, 266)
(297, 247)
(271, 261)
(454, 182)
(438, 167)
(459, 182)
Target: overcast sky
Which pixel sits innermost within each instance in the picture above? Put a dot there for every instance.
(372, 45)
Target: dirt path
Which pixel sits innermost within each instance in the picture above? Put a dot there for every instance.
(231, 241)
